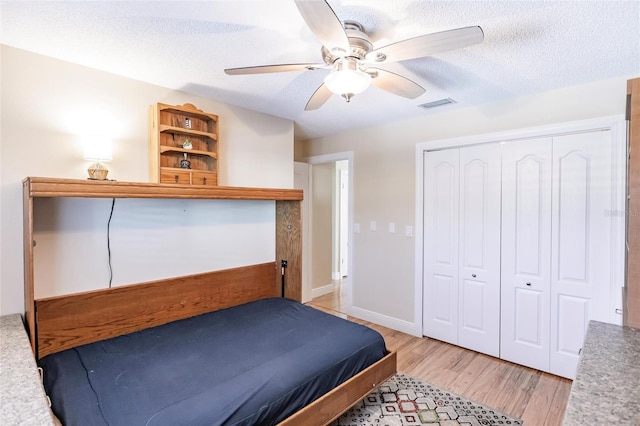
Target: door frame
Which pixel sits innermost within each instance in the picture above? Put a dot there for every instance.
(332, 158)
(343, 212)
(615, 123)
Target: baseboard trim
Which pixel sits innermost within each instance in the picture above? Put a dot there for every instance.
(387, 321)
(321, 291)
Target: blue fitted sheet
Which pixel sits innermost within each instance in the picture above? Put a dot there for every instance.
(253, 364)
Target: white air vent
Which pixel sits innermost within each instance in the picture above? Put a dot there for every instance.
(437, 103)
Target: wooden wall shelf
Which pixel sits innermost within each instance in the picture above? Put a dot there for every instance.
(164, 149)
(164, 128)
(183, 145)
(57, 187)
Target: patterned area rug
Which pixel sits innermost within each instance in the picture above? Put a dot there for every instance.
(403, 400)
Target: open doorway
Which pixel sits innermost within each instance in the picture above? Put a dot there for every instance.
(327, 230)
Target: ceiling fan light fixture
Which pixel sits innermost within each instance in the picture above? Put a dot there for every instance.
(348, 49)
(348, 80)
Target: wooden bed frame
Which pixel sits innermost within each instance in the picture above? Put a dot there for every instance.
(58, 323)
(72, 320)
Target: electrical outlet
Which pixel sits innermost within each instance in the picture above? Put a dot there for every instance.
(392, 227)
(372, 225)
(356, 228)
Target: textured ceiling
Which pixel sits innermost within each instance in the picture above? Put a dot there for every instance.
(529, 46)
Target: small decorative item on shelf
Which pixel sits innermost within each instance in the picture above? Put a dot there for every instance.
(187, 144)
(97, 150)
(184, 163)
(187, 123)
(97, 171)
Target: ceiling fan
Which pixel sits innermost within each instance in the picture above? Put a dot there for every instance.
(347, 49)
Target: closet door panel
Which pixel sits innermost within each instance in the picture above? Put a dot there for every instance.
(479, 253)
(573, 318)
(440, 286)
(573, 218)
(581, 244)
(526, 252)
(472, 309)
(528, 328)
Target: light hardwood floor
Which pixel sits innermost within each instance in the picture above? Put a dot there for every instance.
(535, 397)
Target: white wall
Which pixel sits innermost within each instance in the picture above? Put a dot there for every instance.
(384, 182)
(148, 240)
(46, 107)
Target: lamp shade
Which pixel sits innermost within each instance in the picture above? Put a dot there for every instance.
(347, 81)
(98, 149)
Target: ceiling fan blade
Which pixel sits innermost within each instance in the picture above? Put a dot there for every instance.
(262, 69)
(324, 23)
(321, 95)
(426, 45)
(396, 84)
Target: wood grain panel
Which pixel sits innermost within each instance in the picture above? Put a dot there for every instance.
(329, 407)
(289, 246)
(154, 152)
(54, 187)
(175, 176)
(631, 311)
(67, 321)
(27, 249)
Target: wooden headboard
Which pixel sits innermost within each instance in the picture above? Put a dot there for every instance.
(67, 321)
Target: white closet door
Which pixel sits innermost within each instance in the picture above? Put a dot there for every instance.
(526, 252)
(581, 243)
(440, 287)
(479, 249)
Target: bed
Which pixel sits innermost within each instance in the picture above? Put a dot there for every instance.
(214, 348)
